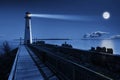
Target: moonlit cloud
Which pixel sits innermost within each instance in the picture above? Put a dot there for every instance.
(95, 34)
(115, 37)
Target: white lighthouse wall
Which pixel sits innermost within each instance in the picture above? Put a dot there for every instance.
(28, 32)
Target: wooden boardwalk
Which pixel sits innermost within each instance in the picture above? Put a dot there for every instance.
(24, 67)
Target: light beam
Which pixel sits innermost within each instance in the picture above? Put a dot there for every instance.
(61, 17)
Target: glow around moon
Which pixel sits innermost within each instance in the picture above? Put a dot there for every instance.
(106, 15)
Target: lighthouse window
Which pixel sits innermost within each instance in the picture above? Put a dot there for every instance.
(28, 27)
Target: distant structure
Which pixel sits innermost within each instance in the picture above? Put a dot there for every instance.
(66, 45)
(28, 33)
(102, 49)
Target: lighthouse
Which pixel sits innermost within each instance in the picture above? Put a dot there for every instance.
(28, 33)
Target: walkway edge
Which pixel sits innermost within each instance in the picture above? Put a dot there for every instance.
(12, 73)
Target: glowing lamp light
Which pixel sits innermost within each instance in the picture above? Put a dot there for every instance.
(28, 14)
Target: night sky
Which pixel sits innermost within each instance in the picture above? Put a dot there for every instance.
(12, 21)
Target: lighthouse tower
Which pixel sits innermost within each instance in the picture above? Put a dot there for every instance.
(28, 33)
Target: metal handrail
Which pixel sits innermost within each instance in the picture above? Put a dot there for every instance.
(12, 73)
(75, 64)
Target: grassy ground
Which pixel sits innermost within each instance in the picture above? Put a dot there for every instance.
(6, 62)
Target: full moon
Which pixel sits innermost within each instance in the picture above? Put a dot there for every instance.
(106, 15)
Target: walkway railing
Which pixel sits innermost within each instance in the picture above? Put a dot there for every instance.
(68, 69)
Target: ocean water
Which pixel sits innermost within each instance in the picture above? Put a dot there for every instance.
(87, 44)
(81, 44)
